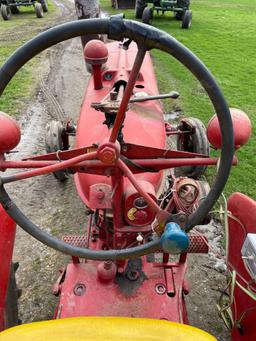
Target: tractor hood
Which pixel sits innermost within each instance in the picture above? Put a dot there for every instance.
(144, 123)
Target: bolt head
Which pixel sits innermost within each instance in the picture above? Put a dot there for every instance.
(79, 289)
(108, 155)
(160, 288)
(100, 195)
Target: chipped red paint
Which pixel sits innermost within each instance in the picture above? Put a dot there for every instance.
(160, 283)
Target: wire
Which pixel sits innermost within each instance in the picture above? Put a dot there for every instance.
(225, 310)
(187, 206)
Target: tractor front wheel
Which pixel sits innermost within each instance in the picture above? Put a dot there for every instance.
(139, 7)
(39, 10)
(6, 12)
(54, 142)
(179, 15)
(187, 19)
(147, 16)
(11, 303)
(15, 9)
(195, 142)
(183, 3)
(44, 5)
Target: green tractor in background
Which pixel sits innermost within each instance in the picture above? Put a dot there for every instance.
(123, 4)
(9, 7)
(180, 8)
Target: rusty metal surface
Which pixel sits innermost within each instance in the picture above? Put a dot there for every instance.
(100, 196)
(135, 296)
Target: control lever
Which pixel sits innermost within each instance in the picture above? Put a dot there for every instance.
(111, 103)
(173, 95)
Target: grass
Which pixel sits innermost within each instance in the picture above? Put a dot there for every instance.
(223, 37)
(13, 33)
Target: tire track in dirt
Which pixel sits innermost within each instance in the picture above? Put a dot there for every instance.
(65, 13)
(46, 202)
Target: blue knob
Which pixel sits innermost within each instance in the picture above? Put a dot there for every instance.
(174, 239)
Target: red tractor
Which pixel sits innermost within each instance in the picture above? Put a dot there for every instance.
(121, 282)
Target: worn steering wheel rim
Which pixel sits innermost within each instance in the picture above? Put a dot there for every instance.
(118, 29)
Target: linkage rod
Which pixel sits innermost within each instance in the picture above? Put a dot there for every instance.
(48, 169)
(172, 95)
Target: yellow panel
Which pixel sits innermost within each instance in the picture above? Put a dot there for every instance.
(105, 328)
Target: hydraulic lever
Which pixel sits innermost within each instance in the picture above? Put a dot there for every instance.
(173, 95)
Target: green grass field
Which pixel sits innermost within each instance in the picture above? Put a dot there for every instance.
(223, 36)
(13, 33)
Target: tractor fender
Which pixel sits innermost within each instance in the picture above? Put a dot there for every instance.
(7, 233)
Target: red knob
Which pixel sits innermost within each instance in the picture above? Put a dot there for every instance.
(9, 133)
(95, 52)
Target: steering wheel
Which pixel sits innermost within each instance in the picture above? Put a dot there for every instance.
(147, 38)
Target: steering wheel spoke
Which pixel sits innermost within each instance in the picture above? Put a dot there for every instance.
(128, 93)
(48, 169)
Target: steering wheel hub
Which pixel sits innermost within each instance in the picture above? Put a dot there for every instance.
(109, 152)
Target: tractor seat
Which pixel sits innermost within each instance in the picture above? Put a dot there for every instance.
(105, 328)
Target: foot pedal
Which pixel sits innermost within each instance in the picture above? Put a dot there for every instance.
(75, 240)
(198, 244)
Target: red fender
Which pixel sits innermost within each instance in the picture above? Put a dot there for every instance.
(243, 209)
(7, 233)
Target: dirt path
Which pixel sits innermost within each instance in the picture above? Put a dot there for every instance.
(63, 77)
(54, 206)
